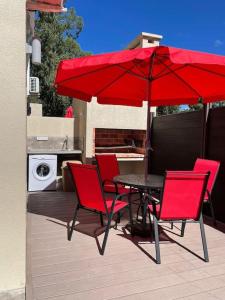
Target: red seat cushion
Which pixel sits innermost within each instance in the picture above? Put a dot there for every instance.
(118, 205)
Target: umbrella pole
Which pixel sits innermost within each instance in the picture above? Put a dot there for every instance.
(206, 108)
(148, 139)
(149, 115)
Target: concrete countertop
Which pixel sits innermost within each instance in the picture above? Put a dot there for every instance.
(53, 151)
(127, 156)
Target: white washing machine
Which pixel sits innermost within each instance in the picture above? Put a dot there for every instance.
(42, 172)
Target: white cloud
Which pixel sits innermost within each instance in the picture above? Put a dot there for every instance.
(218, 43)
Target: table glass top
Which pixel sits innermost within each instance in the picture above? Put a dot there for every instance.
(139, 180)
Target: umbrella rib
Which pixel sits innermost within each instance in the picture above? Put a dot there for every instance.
(160, 75)
(138, 67)
(114, 80)
(206, 70)
(132, 73)
(181, 79)
(85, 74)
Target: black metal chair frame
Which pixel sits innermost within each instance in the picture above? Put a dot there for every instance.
(108, 214)
(199, 220)
(117, 193)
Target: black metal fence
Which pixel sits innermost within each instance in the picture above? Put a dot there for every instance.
(177, 141)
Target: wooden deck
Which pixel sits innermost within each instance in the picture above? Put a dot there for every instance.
(61, 270)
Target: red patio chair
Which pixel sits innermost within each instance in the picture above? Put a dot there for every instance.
(109, 168)
(205, 165)
(181, 202)
(90, 196)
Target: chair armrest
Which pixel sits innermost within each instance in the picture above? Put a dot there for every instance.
(120, 196)
(110, 181)
(115, 199)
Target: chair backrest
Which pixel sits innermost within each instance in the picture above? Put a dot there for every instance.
(108, 166)
(205, 165)
(88, 187)
(183, 195)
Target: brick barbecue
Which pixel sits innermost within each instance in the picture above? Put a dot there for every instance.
(123, 142)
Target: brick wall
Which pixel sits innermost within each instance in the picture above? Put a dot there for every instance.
(118, 137)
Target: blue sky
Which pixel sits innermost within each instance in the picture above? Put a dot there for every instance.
(111, 25)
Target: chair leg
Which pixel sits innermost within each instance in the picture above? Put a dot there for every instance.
(144, 213)
(139, 206)
(106, 233)
(117, 220)
(171, 225)
(212, 211)
(150, 224)
(156, 234)
(73, 223)
(182, 228)
(130, 209)
(149, 216)
(101, 219)
(204, 244)
(118, 217)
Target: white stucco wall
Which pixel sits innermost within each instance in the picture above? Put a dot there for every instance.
(13, 149)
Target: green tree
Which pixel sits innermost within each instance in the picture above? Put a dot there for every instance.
(195, 107)
(167, 110)
(58, 34)
(199, 106)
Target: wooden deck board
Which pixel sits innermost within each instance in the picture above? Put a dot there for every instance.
(61, 270)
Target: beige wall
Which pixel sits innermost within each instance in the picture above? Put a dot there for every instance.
(50, 126)
(55, 132)
(13, 149)
(36, 109)
(80, 114)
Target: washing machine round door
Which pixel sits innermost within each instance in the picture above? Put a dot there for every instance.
(42, 170)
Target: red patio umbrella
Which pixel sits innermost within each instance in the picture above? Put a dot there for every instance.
(160, 75)
(69, 112)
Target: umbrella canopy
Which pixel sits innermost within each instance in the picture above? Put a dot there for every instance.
(160, 75)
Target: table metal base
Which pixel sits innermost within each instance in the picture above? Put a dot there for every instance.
(139, 229)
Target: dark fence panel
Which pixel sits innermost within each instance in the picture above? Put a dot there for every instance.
(177, 139)
(215, 149)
